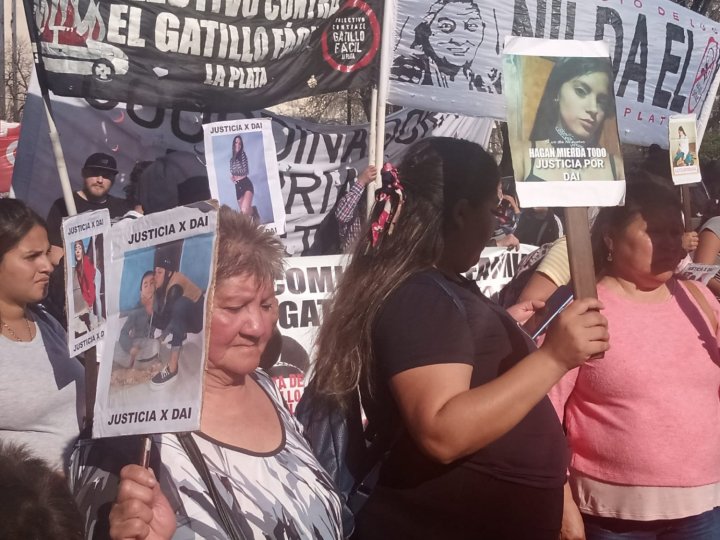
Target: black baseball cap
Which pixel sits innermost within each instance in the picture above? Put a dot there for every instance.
(101, 162)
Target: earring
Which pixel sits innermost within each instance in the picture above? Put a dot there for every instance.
(556, 100)
(609, 256)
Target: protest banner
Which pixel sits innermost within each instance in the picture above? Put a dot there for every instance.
(447, 55)
(243, 170)
(314, 160)
(160, 274)
(204, 56)
(9, 135)
(684, 149)
(561, 123)
(85, 278)
(308, 282)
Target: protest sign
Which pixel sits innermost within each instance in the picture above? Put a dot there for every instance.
(199, 55)
(85, 278)
(243, 170)
(683, 148)
(160, 274)
(700, 272)
(447, 55)
(9, 135)
(561, 123)
(314, 160)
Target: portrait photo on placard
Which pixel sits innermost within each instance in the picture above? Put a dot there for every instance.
(87, 285)
(684, 160)
(562, 121)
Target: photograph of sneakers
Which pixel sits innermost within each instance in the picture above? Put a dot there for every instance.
(163, 377)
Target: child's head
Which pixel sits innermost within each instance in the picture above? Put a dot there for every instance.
(147, 284)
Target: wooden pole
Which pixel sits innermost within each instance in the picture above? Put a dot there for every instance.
(14, 62)
(687, 208)
(3, 105)
(582, 268)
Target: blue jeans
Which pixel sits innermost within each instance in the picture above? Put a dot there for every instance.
(705, 526)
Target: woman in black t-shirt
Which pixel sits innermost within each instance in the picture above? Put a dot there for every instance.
(446, 374)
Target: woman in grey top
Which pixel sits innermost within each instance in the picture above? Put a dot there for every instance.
(41, 390)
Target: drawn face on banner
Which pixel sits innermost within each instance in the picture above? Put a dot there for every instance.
(456, 32)
(583, 102)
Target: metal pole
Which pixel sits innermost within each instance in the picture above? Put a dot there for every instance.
(14, 62)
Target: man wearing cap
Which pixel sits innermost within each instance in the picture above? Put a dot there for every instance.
(98, 175)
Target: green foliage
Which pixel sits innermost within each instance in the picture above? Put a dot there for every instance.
(710, 148)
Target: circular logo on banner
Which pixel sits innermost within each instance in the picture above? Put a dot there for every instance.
(352, 39)
(704, 77)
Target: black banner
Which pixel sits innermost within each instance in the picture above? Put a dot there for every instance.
(209, 55)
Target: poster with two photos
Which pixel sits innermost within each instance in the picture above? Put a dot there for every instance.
(160, 275)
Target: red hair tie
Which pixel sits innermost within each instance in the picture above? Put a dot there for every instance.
(392, 194)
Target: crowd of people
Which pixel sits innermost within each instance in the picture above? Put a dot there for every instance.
(603, 428)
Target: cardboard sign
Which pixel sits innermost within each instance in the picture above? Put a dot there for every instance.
(562, 123)
(684, 149)
(85, 279)
(160, 274)
(243, 169)
(700, 272)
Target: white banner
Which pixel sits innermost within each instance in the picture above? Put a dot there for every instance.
(160, 273)
(309, 281)
(243, 171)
(448, 55)
(85, 280)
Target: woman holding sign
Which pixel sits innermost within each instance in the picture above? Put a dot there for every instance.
(443, 371)
(643, 421)
(248, 462)
(41, 388)
(565, 140)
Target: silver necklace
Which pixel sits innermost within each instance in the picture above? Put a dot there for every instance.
(12, 332)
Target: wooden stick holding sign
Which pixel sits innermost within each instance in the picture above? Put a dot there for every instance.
(580, 256)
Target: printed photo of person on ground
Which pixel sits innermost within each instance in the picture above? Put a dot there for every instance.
(561, 116)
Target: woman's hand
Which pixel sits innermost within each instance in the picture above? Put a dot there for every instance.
(690, 241)
(141, 511)
(513, 203)
(572, 522)
(509, 241)
(578, 333)
(524, 310)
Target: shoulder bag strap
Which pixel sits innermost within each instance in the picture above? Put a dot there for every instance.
(702, 303)
(196, 457)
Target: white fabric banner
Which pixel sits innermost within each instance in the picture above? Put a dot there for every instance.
(448, 55)
(160, 274)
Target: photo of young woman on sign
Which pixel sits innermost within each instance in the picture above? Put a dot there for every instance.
(561, 121)
(576, 107)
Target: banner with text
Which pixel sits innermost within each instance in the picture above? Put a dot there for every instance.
(448, 55)
(9, 135)
(160, 274)
(314, 160)
(200, 55)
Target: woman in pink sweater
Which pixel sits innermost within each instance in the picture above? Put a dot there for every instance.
(643, 422)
